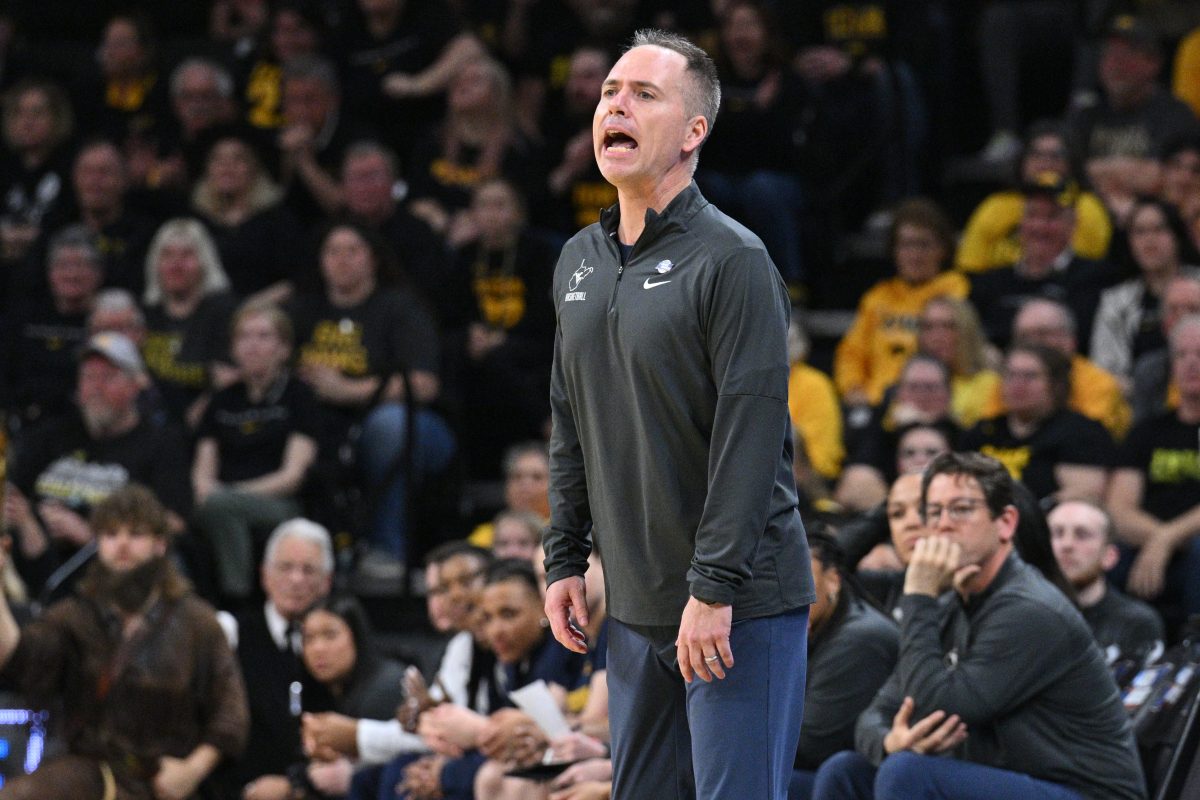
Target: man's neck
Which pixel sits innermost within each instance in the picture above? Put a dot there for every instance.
(118, 427)
(1189, 410)
(1093, 593)
(636, 201)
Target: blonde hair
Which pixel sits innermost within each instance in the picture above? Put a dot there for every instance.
(192, 233)
(970, 354)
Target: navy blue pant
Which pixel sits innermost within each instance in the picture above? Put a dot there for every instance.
(731, 738)
(910, 776)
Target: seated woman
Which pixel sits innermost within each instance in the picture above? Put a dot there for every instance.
(463, 740)
(1056, 452)
(363, 347)
(949, 330)
(1128, 323)
(257, 440)
(871, 354)
(843, 629)
(346, 676)
(188, 306)
(259, 240)
(990, 238)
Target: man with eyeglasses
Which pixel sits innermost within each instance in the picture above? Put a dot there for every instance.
(997, 670)
(297, 570)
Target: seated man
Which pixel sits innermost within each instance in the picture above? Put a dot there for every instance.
(1154, 496)
(297, 570)
(1083, 538)
(1001, 672)
(151, 692)
(1049, 267)
(65, 466)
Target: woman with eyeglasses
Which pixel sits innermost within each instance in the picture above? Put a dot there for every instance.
(1056, 452)
(1128, 322)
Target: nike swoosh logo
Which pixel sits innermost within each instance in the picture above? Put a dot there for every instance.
(649, 285)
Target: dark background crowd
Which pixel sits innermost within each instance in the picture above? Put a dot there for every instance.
(293, 258)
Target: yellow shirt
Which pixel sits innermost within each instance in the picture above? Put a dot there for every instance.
(1186, 83)
(975, 397)
(884, 334)
(990, 238)
(816, 413)
(1095, 393)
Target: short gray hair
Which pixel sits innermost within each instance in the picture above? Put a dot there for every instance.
(75, 237)
(704, 97)
(118, 300)
(371, 147)
(304, 530)
(220, 76)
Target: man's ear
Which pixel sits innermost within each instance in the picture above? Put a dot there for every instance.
(1110, 558)
(697, 131)
(1006, 524)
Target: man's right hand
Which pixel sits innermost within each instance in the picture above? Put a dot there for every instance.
(564, 598)
(935, 734)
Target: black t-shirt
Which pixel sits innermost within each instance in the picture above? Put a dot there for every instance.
(1102, 131)
(389, 331)
(1064, 438)
(1129, 625)
(179, 352)
(60, 461)
(1167, 453)
(266, 248)
(251, 436)
(752, 137)
(998, 295)
(450, 179)
(39, 359)
(27, 196)
(422, 33)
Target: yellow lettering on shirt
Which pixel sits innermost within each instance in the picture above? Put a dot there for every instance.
(336, 344)
(448, 173)
(160, 352)
(852, 24)
(501, 299)
(588, 197)
(264, 96)
(1014, 459)
(1174, 466)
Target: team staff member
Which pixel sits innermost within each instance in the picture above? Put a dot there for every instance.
(671, 447)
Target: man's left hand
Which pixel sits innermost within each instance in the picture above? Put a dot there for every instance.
(934, 567)
(63, 524)
(176, 779)
(703, 634)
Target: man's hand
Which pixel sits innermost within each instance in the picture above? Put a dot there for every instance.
(176, 779)
(328, 735)
(63, 524)
(935, 734)
(268, 787)
(18, 513)
(596, 769)
(577, 746)
(934, 567)
(703, 634)
(423, 778)
(512, 736)
(331, 778)
(565, 598)
(591, 790)
(451, 730)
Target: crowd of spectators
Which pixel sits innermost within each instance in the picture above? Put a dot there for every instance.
(277, 260)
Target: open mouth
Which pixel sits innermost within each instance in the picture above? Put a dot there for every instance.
(619, 141)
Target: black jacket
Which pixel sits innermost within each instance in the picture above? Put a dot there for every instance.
(672, 441)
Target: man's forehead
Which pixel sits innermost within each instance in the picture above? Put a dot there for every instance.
(648, 63)
(298, 549)
(954, 484)
(1078, 516)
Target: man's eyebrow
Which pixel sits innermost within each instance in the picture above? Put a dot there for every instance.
(635, 84)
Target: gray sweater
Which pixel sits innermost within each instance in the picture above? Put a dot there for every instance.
(1019, 665)
(671, 445)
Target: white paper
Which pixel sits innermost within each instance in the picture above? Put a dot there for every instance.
(536, 701)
